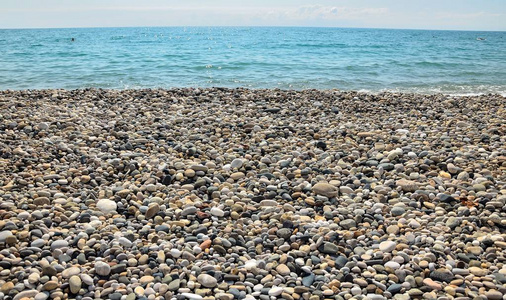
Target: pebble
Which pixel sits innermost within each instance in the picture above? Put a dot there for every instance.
(397, 211)
(432, 284)
(325, 189)
(282, 269)
(86, 279)
(50, 285)
(275, 291)
(59, 244)
(6, 287)
(106, 206)
(175, 252)
(494, 295)
(102, 268)
(236, 163)
(146, 279)
(153, 209)
(75, 284)
(478, 271)
(67, 273)
(251, 194)
(207, 280)
(41, 296)
(25, 294)
(125, 242)
(348, 224)
(393, 229)
(191, 296)
(387, 246)
(217, 212)
(330, 248)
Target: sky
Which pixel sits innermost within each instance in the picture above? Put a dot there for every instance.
(405, 14)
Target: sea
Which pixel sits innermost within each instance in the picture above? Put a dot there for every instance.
(369, 60)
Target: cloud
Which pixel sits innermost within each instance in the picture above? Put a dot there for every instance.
(476, 15)
(320, 12)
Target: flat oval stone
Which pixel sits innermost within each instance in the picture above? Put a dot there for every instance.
(153, 209)
(189, 211)
(282, 269)
(75, 284)
(67, 273)
(87, 279)
(125, 242)
(275, 291)
(59, 244)
(25, 294)
(102, 268)
(106, 206)
(217, 212)
(207, 280)
(387, 246)
(191, 296)
(325, 189)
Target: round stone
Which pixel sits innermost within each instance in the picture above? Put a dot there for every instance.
(237, 175)
(102, 269)
(393, 229)
(236, 163)
(393, 265)
(207, 280)
(348, 224)
(191, 296)
(107, 206)
(50, 285)
(153, 209)
(387, 246)
(217, 212)
(282, 269)
(175, 252)
(146, 279)
(397, 211)
(87, 279)
(75, 284)
(325, 189)
(275, 291)
(125, 242)
(67, 273)
(59, 244)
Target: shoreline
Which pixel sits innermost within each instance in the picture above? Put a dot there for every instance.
(239, 88)
(223, 193)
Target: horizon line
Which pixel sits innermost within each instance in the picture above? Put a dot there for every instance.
(247, 26)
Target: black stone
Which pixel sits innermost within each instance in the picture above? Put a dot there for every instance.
(257, 198)
(446, 198)
(321, 145)
(118, 268)
(394, 288)
(231, 277)
(373, 262)
(166, 180)
(442, 275)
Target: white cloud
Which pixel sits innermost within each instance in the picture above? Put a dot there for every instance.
(476, 15)
(320, 12)
(321, 15)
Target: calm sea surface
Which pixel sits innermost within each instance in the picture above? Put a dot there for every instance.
(455, 62)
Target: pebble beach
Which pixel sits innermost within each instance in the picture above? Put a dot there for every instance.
(266, 194)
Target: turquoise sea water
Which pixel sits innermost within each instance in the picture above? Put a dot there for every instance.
(455, 62)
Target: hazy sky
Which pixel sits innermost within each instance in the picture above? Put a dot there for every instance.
(420, 14)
